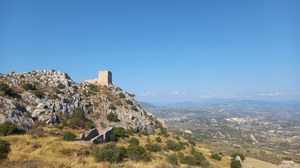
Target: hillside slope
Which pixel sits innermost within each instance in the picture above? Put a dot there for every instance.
(47, 105)
(50, 97)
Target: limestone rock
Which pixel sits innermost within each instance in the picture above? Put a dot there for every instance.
(62, 96)
(97, 136)
(90, 135)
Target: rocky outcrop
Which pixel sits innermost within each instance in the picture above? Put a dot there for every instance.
(97, 136)
(289, 164)
(61, 96)
(238, 158)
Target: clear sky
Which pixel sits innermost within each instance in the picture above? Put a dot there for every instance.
(161, 50)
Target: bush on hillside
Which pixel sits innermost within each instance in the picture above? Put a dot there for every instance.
(235, 164)
(134, 141)
(158, 139)
(110, 153)
(172, 159)
(78, 118)
(76, 122)
(112, 117)
(7, 90)
(4, 149)
(118, 132)
(164, 131)
(8, 128)
(153, 147)
(29, 86)
(69, 136)
(200, 159)
(38, 93)
(234, 155)
(121, 95)
(216, 156)
(138, 153)
(189, 160)
(144, 132)
(195, 159)
(61, 86)
(175, 146)
(129, 102)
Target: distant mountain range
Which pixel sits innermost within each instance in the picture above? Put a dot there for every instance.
(192, 105)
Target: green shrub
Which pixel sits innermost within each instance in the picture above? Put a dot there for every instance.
(195, 159)
(78, 118)
(129, 102)
(235, 164)
(112, 117)
(189, 160)
(29, 86)
(113, 137)
(69, 136)
(89, 124)
(22, 76)
(118, 132)
(78, 113)
(61, 86)
(76, 122)
(4, 149)
(286, 158)
(234, 155)
(122, 95)
(216, 156)
(158, 139)
(38, 93)
(144, 132)
(134, 141)
(130, 131)
(164, 131)
(153, 147)
(175, 146)
(172, 159)
(138, 153)
(110, 153)
(200, 159)
(8, 128)
(7, 90)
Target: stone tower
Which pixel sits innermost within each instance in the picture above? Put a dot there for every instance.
(105, 78)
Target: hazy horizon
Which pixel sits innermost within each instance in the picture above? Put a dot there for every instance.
(164, 52)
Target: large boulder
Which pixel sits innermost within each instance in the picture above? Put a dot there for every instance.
(96, 136)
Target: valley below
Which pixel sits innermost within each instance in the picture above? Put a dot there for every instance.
(268, 131)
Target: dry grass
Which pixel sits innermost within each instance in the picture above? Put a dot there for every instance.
(52, 151)
(253, 163)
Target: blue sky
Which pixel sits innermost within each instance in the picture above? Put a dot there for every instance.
(163, 51)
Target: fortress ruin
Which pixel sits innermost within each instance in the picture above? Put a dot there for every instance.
(104, 78)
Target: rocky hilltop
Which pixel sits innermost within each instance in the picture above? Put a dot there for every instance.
(51, 97)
